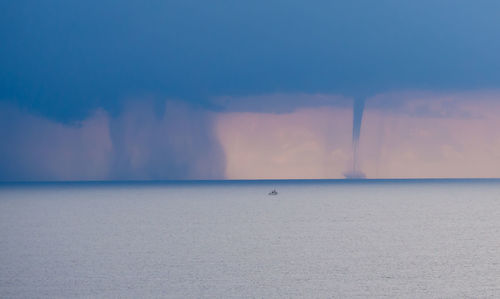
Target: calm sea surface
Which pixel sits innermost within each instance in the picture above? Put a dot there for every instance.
(415, 239)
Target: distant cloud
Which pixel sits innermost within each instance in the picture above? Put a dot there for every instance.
(140, 143)
(435, 104)
(67, 59)
(173, 142)
(307, 143)
(35, 148)
(411, 134)
(83, 87)
(400, 145)
(279, 102)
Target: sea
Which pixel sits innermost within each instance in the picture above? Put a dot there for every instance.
(230, 239)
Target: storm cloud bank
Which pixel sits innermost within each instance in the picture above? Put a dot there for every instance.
(175, 143)
(66, 59)
(83, 83)
(417, 134)
(142, 142)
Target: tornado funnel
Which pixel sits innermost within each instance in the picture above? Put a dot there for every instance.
(357, 119)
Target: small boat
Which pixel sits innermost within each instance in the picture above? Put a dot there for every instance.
(274, 192)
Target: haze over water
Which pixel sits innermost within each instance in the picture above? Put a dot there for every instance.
(422, 238)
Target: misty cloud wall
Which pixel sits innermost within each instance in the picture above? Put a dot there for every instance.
(140, 143)
(410, 134)
(406, 134)
(83, 87)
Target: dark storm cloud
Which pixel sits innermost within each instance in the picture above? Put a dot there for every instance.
(143, 142)
(177, 143)
(65, 58)
(278, 102)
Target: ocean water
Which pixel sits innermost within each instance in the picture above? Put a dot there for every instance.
(315, 239)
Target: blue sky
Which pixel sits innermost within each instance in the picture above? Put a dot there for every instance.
(64, 60)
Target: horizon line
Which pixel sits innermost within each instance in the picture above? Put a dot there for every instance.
(340, 180)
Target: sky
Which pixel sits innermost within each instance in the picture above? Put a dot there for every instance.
(128, 90)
